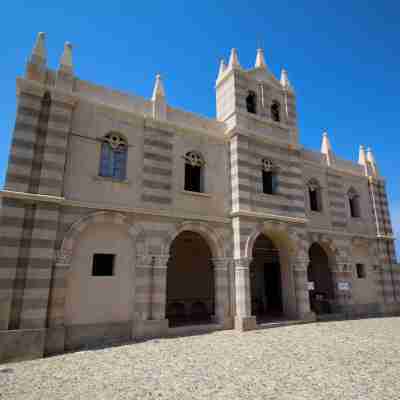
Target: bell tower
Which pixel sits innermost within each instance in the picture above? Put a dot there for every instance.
(253, 99)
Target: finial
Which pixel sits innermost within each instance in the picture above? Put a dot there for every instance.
(260, 60)
(362, 157)
(222, 68)
(326, 147)
(158, 90)
(285, 79)
(66, 58)
(39, 53)
(371, 160)
(234, 59)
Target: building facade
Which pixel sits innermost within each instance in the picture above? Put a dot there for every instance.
(125, 218)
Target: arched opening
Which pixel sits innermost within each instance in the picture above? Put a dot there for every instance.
(276, 111)
(251, 102)
(319, 273)
(190, 281)
(266, 280)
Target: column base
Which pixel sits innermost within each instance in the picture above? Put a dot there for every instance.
(21, 344)
(245, 323)
(148, 329)
(55, 341)
(226, 322)
(309, 316)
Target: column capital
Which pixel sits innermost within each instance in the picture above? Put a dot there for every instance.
(159, 260)
(242, 263)
(301, 263)
(221, 263)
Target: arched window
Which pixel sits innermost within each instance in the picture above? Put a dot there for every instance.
(194, 166)
(113, 157)
(314, 194)
(269, 177)
(354, 203)
(276, 111)
(251, 102)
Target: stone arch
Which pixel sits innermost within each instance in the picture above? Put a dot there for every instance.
(68, 244)
(277, 232)
(209, 234)
(282, 239)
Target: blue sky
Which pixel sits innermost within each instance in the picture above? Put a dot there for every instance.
(342, 57)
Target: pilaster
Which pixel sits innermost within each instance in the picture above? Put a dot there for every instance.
(243, 319)
(222, 295)
(301, 288)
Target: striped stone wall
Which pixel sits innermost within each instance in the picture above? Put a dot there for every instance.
(157, 168)
(39, 144)
(27, 249)
(246, 171)
(337, 199)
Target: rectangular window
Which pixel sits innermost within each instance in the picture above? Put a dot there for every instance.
(103, 264)
(192, 178)
(360, 269)
(313, 200)
(269, 182)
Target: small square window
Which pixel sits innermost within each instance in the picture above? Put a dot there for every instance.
(103, 264)
(360, 269)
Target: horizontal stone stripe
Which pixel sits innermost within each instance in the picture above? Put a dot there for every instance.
(157, 157)
(256, 155)
(30, 145)
(268, 146)
(337, 204)
(31, 283)
(271, 206)
(26, 127)
(339, 224)
(35, 304)
(288, 166)
(11, 262)
(156, 199)
(29, 111)
(338, 214)
(334, 184)
(27, 243)
(58, 117)
(337, 195)
(156, 185)
(33, 223)
(49, 182)
(158, 143)
(153, 132)
(157, 171)
(36, 164)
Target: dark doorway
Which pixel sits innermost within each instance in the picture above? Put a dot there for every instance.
(319, 273)
(265, 281)
(190, 281)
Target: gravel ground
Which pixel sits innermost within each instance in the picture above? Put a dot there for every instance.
(333, 360)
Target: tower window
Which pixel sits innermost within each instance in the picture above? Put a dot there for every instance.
(276, 111)
(361, 273)
(251, 103)
(194, 170)
(269, 178)
(113, 157)
(354, 203)
(103, 264)
(314, 193)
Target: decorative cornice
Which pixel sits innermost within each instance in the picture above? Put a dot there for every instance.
(36, 198)
(258, 215)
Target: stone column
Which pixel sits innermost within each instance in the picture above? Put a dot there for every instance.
(159, 286)
(143, 278)
(222, 293)
(243, 319)
(150, 297)
(301, 288)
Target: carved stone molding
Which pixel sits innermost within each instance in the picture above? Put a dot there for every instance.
(242, 263)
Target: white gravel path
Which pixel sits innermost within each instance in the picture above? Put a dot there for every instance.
(334, 360)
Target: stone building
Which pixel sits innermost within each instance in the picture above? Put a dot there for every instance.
(125, 218)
